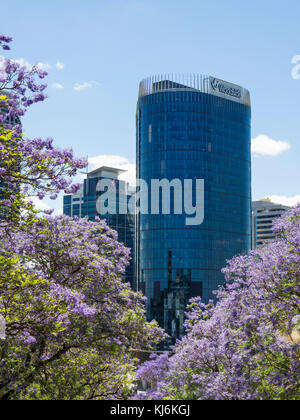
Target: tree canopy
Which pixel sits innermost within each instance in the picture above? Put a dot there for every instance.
(71, 321)
(247, 345)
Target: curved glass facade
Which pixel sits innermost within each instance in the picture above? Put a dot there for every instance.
(186, 133)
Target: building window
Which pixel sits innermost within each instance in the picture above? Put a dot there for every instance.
(150, 134)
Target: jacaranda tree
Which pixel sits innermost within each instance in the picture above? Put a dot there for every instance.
(28, 167)
(71, 321)
(247, 345)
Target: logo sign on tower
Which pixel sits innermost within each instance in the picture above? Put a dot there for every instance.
(226, 90)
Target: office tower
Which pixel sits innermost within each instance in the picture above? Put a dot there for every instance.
(193, 127)
(263, 214)
(5, 188)
(84, 204)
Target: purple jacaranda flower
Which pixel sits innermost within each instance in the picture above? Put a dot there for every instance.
(246, 340)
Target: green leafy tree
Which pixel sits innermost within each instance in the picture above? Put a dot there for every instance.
(71, 321)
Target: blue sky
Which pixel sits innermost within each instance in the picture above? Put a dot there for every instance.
(105, 47)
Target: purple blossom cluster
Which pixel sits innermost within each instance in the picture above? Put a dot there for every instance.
(80, 265)
(4, 41)
(29, 166)
(21, 88)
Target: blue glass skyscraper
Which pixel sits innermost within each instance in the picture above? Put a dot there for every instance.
(195, 127)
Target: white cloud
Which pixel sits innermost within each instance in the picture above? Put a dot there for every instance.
(60, 65)
(47, 204)
(43, 66)
(57, 86)
(24, 63)
(285, 200)
(80, 87)
(118, 162)
(39, 204)
(2, 62)
(28, 65)
(263, 145)
(2, 67)
(83, 86)
(296, 68)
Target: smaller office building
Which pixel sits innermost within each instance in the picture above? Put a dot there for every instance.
(86, 202)
(263, 214)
